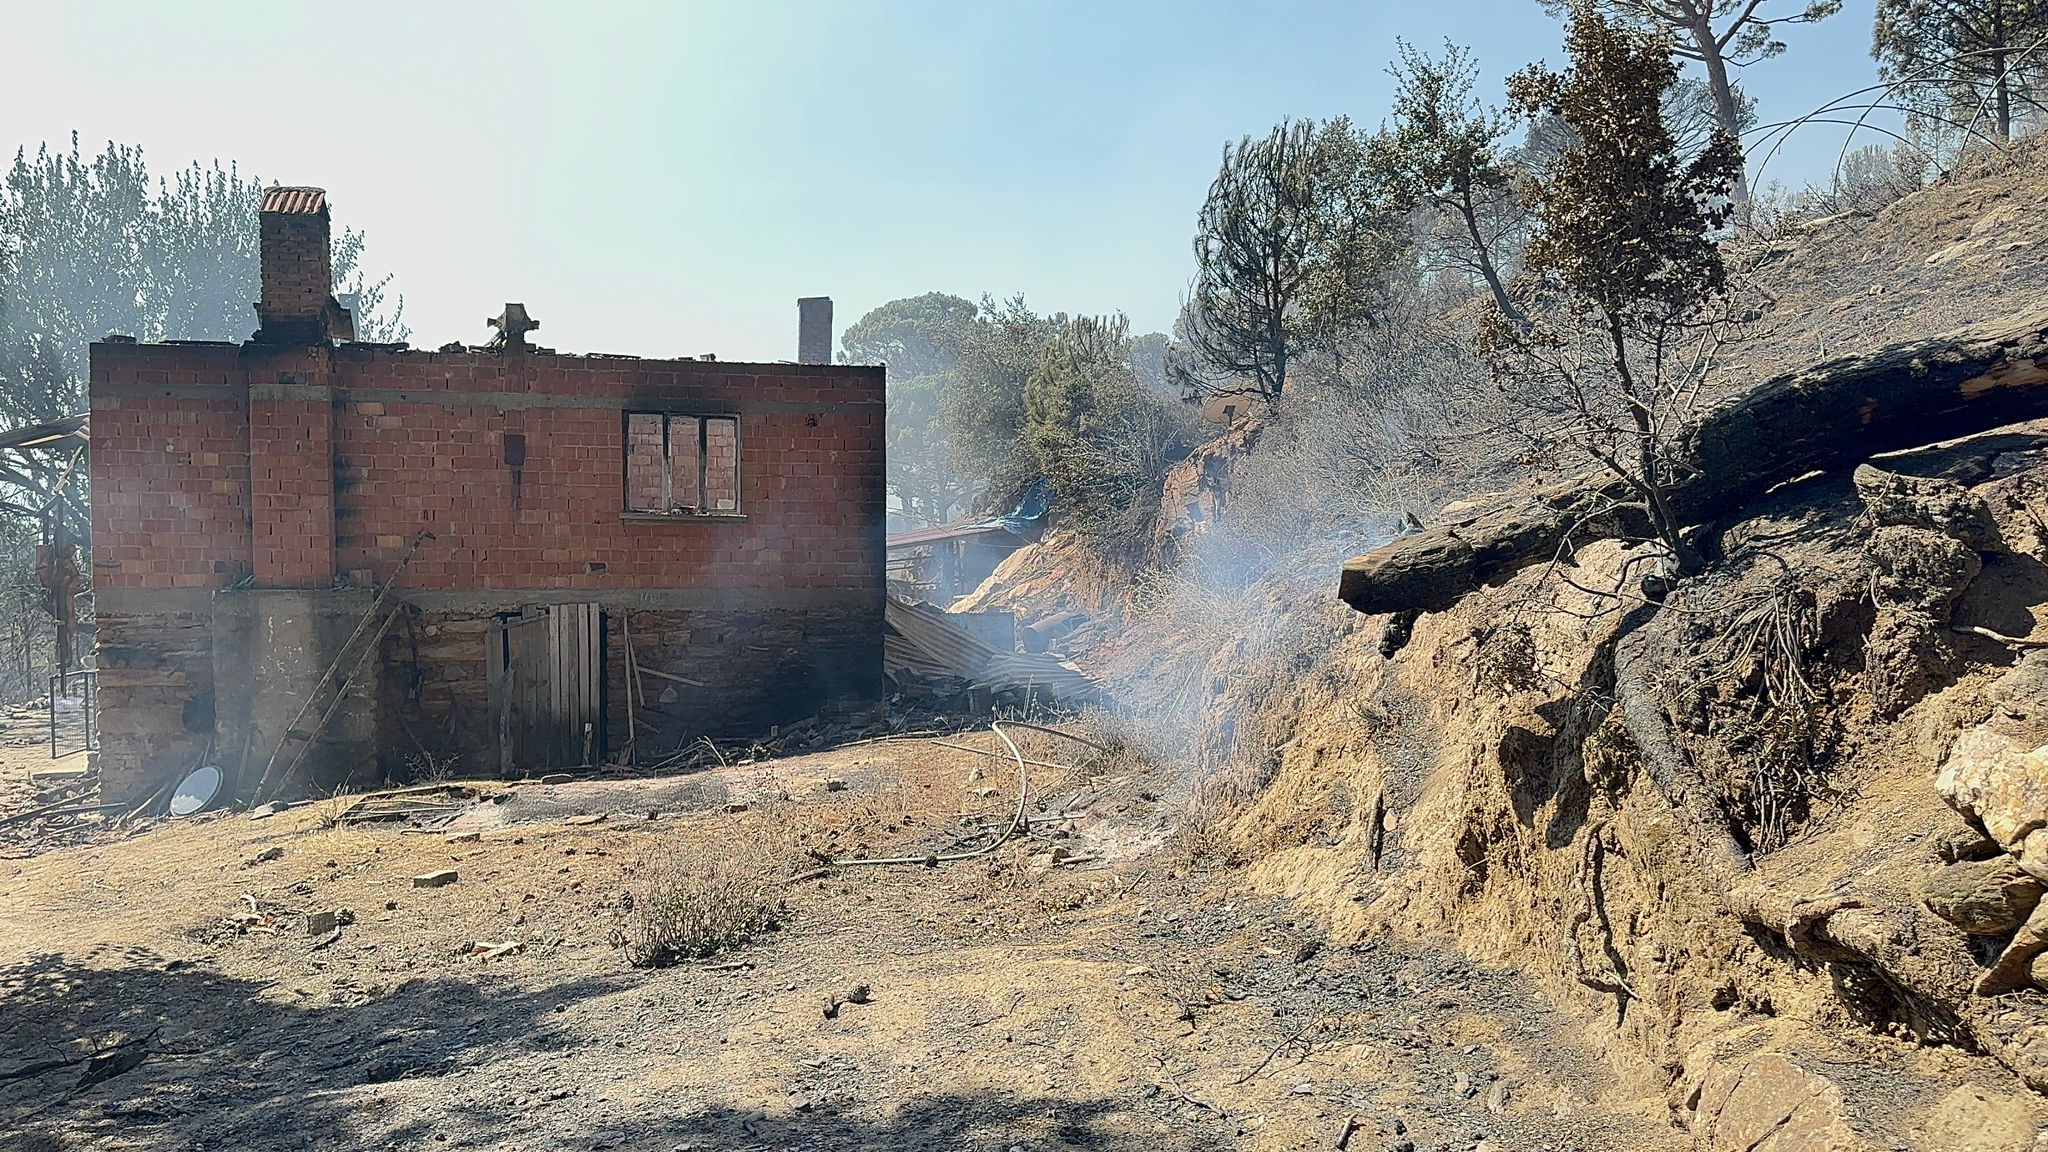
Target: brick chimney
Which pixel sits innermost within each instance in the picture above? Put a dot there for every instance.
(298, 304)
(814, 330)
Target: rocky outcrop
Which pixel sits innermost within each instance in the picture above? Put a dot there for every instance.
(1195, 490)
(1927, 541)
(1983, 897)
(1970, 1119)
(2000, 784)
(1768, 1103)
(2004, 788)
(1928, 504)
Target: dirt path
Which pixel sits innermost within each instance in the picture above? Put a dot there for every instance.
(1116, 1003)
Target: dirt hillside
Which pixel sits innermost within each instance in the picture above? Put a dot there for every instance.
(1769, 841)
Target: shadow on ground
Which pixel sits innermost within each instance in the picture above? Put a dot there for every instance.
(267, 1065)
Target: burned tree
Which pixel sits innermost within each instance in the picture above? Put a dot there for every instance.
(1623, 267)
(1717, 34)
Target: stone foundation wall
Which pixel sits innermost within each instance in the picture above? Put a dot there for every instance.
(156, 698)
(271, 650)
(223, 676)
(751, 669)
(436, 694)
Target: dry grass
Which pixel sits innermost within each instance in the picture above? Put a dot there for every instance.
(690, 905)
(426, 767)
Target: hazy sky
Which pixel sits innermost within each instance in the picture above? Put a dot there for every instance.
(667, 178)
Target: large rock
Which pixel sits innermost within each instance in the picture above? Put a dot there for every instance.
(2023, 691)
(2014, 968)
(2004, 787)
(1971, 1119)
(1984, 898)
(1767, 1103)
(2021, 700)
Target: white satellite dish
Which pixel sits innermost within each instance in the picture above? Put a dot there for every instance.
(196, 791)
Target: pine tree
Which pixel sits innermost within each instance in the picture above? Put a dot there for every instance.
(1965, 64)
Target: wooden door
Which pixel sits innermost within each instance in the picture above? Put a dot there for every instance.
(547, 687)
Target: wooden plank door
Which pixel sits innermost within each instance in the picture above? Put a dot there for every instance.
(547, 686)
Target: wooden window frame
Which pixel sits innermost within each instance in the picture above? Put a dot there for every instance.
(670, 510)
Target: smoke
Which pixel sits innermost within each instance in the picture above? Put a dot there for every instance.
(1240, 603)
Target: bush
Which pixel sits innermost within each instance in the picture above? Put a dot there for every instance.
(424, 767)
(679, 911)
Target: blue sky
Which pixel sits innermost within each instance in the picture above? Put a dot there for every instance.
(667, 178)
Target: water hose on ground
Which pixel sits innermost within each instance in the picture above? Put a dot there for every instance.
(933, 859)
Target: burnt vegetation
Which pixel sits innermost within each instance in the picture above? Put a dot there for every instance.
(1592, 304)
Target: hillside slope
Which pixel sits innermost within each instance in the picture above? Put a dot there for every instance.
(1715, 828)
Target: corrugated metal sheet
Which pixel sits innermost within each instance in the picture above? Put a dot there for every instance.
(921, 642)
(958, 530)
(295, 201)
(57, 434)
(1024, 525)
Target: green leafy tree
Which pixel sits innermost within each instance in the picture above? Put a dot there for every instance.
(94, 246)
(1965, 63)
(1622, 263)
(919, 338)
(983, 407)
(915, 336)
(1442, 155)
(1291, 246)
(1099, 436)
(922, 480)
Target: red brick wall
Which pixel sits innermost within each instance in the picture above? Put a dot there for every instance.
(291, 487)
(170, 474)
(297, 263)
(645, 461)
(337, 459)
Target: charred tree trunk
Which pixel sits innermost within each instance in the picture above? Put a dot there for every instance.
(1827, 418)
(1643, 714)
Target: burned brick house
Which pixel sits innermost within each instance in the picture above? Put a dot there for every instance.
(336, 555)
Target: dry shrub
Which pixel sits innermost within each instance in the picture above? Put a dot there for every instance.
(1757, 698)
(1208, 832)
(690, 906)
(424, 767)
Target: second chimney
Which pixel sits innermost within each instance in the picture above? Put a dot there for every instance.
(814, 330)
(298, 305)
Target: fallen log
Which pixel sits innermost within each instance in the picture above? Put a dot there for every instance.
(1824, 419)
